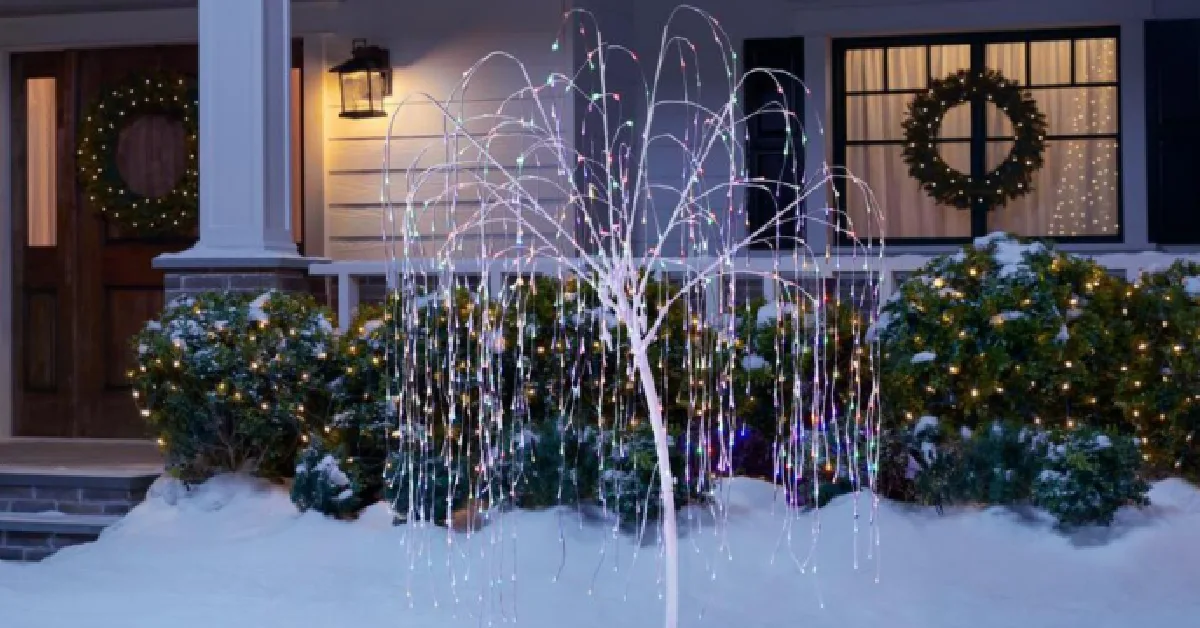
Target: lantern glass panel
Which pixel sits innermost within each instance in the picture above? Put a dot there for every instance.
(362, 93)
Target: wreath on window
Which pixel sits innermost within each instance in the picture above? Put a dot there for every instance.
(172, 96)
(1010, 180)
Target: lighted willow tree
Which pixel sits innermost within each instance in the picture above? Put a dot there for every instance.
(603, 180)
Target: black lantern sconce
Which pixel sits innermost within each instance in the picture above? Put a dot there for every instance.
(365, 79)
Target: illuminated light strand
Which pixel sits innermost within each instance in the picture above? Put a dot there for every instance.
(531, 188)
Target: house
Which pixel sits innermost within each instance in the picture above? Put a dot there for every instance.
(289, 178)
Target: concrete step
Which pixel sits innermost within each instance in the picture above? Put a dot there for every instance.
(72, 492)
(29, 537)
(42, 511)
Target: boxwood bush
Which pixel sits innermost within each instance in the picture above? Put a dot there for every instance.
(1002, 368)
(1161, 383)
(228, 382)
(988, 351)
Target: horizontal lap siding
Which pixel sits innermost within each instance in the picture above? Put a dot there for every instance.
(485, 149)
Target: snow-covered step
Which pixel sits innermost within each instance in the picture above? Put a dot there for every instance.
(34, 536)
(43, 510)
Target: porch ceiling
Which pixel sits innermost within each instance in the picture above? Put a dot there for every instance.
(23, 8)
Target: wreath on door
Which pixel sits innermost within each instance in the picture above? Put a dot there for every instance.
(138, 213)
(1012, 178)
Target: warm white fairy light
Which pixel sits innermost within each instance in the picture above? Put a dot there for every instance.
(559, 181)
(1087, 190)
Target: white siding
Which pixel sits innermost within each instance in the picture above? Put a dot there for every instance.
(431, 47)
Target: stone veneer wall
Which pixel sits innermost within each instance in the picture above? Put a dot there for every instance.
(41, 513)
(181, 283)
(40, 498)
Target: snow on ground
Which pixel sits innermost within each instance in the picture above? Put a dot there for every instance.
(234, 554)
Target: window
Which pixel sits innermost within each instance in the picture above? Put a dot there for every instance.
(41, 165)
(1072, 75)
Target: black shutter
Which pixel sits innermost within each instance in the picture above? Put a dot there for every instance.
(767, 135)
(1173, 130)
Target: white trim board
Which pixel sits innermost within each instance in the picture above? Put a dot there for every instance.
(7, 407)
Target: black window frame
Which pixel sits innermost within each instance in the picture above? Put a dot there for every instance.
(978, 42)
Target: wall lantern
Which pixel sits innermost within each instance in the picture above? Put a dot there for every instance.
(365, 78)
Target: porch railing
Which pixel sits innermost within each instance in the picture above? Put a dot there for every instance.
(348, 277)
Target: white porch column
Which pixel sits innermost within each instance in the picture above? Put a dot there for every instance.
(245, 187)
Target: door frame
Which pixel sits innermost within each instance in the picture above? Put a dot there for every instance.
(130, 28)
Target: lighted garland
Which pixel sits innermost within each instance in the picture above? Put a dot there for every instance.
(169, 95)
(1010, 180)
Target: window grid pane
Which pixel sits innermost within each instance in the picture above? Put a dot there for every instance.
(906, 68)
(1007, 59)
(1096, 61)
(1050, 63)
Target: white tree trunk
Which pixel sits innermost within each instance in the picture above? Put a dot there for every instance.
(666, 483)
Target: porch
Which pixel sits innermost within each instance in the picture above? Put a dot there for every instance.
(252, 200)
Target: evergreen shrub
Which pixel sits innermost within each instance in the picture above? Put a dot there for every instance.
(228, 382)
(994, 353)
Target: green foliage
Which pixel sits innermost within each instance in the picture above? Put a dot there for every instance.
(556, 404)
(1161, 383)
(1087, 475)
(995, 465)
(777, 369)
(321, 485)
(163, 94)
(1016, 334)
(227, 381)
(358, 428)
(1006, 331)
(629, 483)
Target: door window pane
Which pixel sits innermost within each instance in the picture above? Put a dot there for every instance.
(41, 162)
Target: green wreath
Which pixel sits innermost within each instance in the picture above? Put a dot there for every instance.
(169, 95)
(1010, 180)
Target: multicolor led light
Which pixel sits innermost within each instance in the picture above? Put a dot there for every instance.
(608, 175)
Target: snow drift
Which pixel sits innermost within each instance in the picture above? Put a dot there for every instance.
(234, 553)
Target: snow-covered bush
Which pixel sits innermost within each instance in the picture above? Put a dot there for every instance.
(1009, 331)
(994, 465)
(1008, 339)
(360, 422)
(1161, 384)
(320, 484)
(227, 382)
(1087, 475)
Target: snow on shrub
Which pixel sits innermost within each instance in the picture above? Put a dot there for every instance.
(1087, 475)
(227, 381)
(1010, 339)
(321, 484)
(1006, 328)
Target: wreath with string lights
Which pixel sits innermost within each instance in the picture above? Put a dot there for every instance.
(1012, 178)
(172, 96)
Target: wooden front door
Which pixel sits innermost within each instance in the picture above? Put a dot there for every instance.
(83, 287)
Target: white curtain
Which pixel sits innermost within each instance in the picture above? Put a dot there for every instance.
(1075, 192)
(42, 163)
